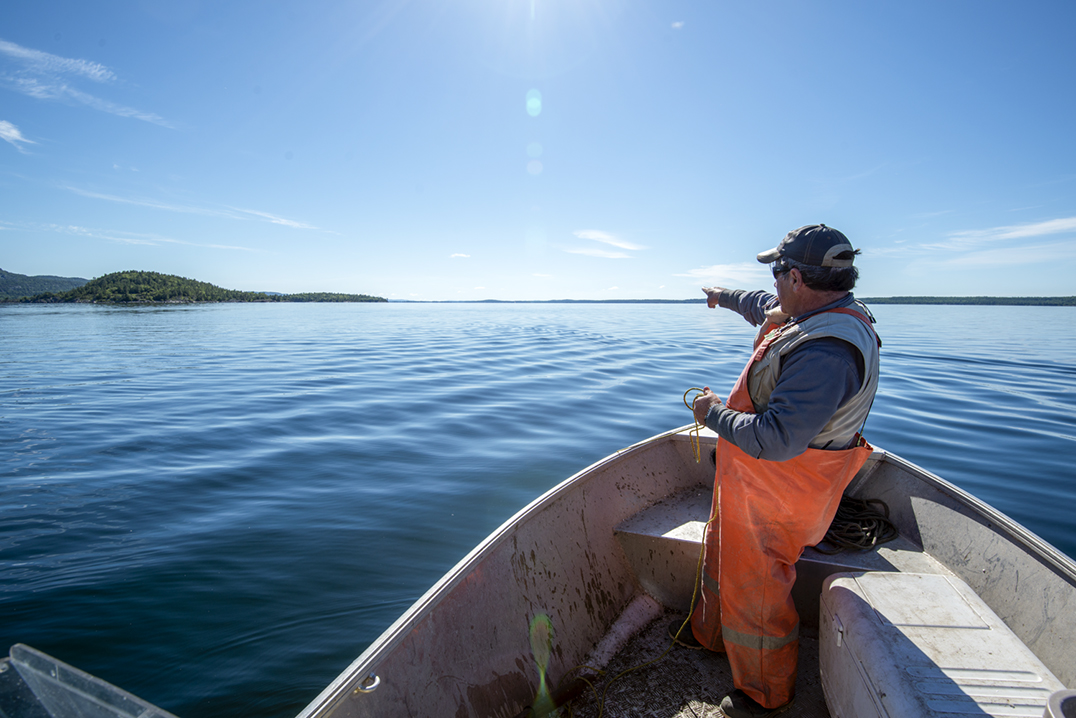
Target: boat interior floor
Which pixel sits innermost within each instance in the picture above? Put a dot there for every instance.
(686, 683)
(662, 544)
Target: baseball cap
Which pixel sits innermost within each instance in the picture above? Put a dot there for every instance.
(815, 244)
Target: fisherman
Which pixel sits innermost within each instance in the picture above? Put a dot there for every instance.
(789, 445)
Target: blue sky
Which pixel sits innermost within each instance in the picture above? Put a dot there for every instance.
(538, 149)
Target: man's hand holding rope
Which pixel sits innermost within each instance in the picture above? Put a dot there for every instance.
(702, 403)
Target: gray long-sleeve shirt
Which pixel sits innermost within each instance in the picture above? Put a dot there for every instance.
(817, 378)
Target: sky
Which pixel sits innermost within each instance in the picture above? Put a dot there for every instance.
(539, 149)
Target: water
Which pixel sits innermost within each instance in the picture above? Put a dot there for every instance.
(219, 507)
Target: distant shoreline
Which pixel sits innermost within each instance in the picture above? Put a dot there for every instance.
(984, 301)
(142, 288)
(954, 301)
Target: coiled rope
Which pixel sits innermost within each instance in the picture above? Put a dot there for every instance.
(858, 527)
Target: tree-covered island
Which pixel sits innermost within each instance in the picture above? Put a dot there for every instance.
(156, 288)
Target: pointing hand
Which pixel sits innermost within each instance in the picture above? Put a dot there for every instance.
(712, 294)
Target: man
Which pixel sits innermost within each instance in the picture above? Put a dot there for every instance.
(789, 445)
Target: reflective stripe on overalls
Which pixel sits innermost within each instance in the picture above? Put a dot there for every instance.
(763, 515)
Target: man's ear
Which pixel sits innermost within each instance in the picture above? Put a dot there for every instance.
(795, 278)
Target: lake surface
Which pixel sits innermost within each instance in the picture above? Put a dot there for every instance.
(219, 507)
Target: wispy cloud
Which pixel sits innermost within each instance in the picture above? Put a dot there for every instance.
(600, 236)
(986, 246)
(142, 202)
(132, 238)
(595, 252)
(458, 254)
(45, 76)
(10, 133)
(228, 212)
(47, 63)
(744, 274)
(1016, 231)
(1011, 256)
(678, 25)
(273, 218)
(146, 202)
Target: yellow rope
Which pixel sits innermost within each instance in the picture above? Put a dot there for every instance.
(691, 610)
(695, 446)
(693, 433)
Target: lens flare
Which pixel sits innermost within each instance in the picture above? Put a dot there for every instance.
(534, 103)
(534, 167)
(534, 149)
(541, 633)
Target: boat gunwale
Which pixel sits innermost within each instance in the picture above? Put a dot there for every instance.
(999, 522)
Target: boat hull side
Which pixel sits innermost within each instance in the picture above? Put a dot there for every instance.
(464, 648)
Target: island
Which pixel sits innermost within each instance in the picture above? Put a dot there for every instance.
(136, 287)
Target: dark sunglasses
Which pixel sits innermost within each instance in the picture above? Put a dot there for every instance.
(779, 268)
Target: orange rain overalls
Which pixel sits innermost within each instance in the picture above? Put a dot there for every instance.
(763, 515)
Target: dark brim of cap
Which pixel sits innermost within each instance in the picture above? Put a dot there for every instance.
(770, 256)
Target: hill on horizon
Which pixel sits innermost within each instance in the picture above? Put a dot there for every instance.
(138, 287)
(22, 285)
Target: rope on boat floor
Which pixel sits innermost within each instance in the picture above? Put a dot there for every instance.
(858, 527)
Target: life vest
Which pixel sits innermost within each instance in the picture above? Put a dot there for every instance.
(847, 323)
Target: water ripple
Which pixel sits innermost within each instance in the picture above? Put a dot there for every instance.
(267, 487)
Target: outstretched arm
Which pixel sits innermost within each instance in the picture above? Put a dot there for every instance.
(752, 306)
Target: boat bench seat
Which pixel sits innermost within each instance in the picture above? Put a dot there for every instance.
(912, 645)
(663, 543)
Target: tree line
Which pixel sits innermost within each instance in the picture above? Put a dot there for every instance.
(154, 288)
(20, 285)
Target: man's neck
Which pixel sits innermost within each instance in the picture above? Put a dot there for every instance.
(816, 300)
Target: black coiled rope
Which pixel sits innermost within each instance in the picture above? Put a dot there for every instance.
(858, 527)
